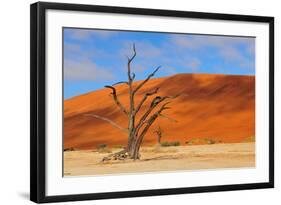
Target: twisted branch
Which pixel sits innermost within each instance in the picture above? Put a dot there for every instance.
(146, 95)
(116, 100)
(150, 121)
(147, 79)
(109, 121)
(121, 82)
(131, 78)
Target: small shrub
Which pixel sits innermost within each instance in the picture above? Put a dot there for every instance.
(118, 146)
(176, 143)
(69, 149)
(210, 141)
(200, 141)
(165, 144)
(101, 146)
(188, 142)
(168, 144)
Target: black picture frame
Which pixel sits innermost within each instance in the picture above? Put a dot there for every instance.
(38, 101)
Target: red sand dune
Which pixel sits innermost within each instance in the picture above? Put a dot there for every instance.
(218, 107)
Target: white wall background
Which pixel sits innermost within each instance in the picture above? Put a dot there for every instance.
(14, 100)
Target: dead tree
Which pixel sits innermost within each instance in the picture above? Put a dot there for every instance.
(159, 134)
(136, 131)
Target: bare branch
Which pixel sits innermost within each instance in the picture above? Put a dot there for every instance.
(158, 113)
(163, 107)
(129, 65)
(149, 122)
(121, 82)
(116, 100)
(146, 95)
(172, 96)
(133, 76)
(108, 120)
(153, 104)
(134, 55)
(147, 79)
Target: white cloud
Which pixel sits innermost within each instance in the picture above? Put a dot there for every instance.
(228, 48)
(194, 64)
(85, 70)
(70, 47)
(231, 54)
(186, 42)
(202, 41)
(80, 34)
(251, 49)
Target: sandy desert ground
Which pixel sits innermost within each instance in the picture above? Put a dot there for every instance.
(195, 157)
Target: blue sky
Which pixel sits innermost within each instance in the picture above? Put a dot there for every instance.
(94, 58)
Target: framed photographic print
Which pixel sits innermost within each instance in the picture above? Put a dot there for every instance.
(129, 102)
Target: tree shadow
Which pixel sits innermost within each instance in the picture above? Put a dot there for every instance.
(161, 158)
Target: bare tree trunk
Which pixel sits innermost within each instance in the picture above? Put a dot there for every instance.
(149, 122)
(131, 124)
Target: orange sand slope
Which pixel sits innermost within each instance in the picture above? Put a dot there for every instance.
(217, 107)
